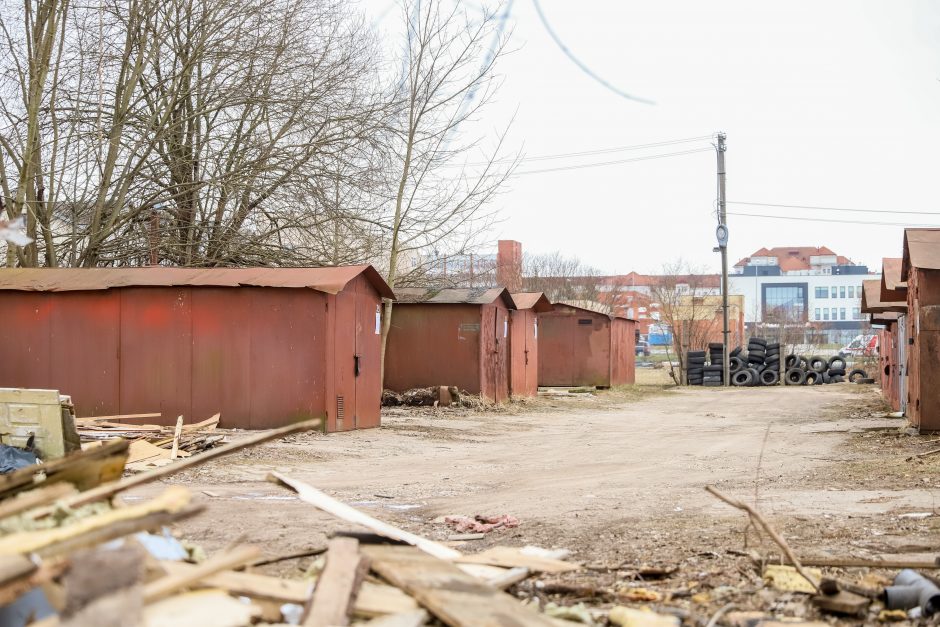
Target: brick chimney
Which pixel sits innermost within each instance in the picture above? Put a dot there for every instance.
(509, 264)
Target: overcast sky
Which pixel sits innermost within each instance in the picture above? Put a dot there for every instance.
(833, 104)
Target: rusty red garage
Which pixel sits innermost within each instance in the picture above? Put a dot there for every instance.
(920, 269)
(581, 346)
(262, 346)
(453, 337)
(524, 342)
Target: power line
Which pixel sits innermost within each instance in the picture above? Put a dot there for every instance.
(583, 153)
(767, 204)
(579, 63)
(809, 219)
(615, 162)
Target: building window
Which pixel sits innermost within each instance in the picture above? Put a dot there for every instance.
(842, 313)
(835, 291)
(785, 301)
(822, 292)
(826, 313)
(818, 315)
(856, 313)
(841, 291)
(834, 312)
(851, 291)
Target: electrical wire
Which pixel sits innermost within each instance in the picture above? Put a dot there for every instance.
(584, 153)
(832, 220)
(615, 162)
(584, 68)
(767, 204)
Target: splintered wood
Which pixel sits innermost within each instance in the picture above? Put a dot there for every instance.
(62, 513)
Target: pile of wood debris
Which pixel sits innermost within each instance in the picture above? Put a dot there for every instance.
(151, 445)
(73, 552)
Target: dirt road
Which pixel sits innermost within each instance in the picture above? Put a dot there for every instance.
(595, 474)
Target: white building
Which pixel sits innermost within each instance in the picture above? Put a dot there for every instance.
(808, 286)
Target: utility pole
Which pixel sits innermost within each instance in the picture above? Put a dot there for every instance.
(723, 246)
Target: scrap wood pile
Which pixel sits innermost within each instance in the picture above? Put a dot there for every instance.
(151, 445)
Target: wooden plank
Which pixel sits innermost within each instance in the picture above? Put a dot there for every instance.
(207, 424)
(328, 504)
(173, 499)
(454, 597)
(405, 619)
(109, 490)
(176, 438)
(62, 468)
(338, 585)
(379, 599)
(166, 586)
(14, 567)
(511, 557)
(205, 608)
(261, 587)
(117, 418)
(35, 498)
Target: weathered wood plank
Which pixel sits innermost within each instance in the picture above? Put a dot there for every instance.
(338, 585)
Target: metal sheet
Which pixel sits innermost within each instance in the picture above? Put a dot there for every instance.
(622, 352)
(369, 350)
(921, 250)
(453, 296)
(494, 352)
(574, 347)
(330, 280)
(871, 299)
(343, 403)
(433, 345)
(288, 380)
(156, 352)
(25, 337)
(536, 301)
(523, 353)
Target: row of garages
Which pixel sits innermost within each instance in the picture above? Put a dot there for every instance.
(905, 303)
(268, 346)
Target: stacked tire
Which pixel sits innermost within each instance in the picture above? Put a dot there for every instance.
(816, 370)
(761, 366)
(695, 367)
(714, 371)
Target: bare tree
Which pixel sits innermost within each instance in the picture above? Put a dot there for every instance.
(563, 278)
(681, 293)
(438, 200)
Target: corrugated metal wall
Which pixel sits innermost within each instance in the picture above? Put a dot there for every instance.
(623, 352)
(523, 352)
(574, 348)
(257, 355)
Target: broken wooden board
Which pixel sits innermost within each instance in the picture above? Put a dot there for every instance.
(338, 584)
(328, 504)
(204, 608)
(165, 586)
(511, 557)
(405, 619)
(379, 599)
(786, 579)
(35, 498)
(453, 596)
(844, 603)
(117, 418)
(173, 499)
(142, 451)
(253, 586)
(85, 469)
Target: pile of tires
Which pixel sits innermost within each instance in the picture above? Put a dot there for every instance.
(760, 366)
(695, 367)
(816, 370)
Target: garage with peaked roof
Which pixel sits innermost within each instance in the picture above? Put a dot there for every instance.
(524, 342)
(262, 346)
(450, 337)
(920, 269)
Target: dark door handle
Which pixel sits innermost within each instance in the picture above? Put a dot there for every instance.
(358, 360)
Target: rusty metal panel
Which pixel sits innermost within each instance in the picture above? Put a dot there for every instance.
(156, 352)
(287, 356)
(623, 352)
(85, 335)
(499, 349)
(369, 352)
(432, 344)
(330, 280)
(26, 340)
(221, 361)
(523, 353)
(574, 347)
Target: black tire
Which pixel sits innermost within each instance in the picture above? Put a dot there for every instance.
(791, 361)
(837, 372)
(818, 364)
(695, 363)
(771, 353)
(716, 346)
(837, 360)
(737, 351)
(735, 364)
(713, 368)
(795, 376)
(812, 378)
(838, 379)
(774, 346)
(695, 374)
(756, 354)
(826, 378)
(755, 376)
(769, 377)
(864, 380)
(742, 378)
(758, 340)
(773, 359)
(856, 374)
(803, 363)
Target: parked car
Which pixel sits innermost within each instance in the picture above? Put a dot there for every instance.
(643, 348)
(861, 345)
